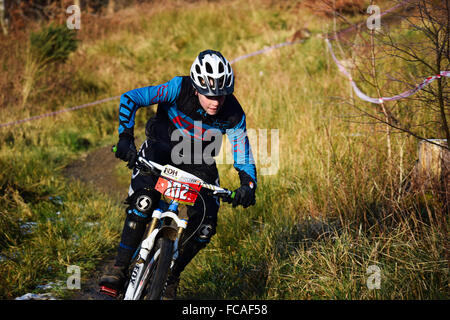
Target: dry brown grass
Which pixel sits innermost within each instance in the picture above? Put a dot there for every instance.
(329, 7)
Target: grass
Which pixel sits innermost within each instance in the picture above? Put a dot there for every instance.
(334, 207)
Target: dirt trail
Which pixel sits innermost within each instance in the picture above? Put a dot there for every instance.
(97, 169)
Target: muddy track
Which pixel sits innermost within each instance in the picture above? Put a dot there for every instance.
(97, 169)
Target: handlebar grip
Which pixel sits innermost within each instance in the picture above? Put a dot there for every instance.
(130, 163)
(229, 199)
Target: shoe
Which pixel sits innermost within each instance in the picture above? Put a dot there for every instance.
(171, 288)
(112, 283)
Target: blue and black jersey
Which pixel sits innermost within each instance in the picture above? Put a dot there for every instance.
(179, 110)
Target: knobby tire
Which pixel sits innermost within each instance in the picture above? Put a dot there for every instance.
(159, 277)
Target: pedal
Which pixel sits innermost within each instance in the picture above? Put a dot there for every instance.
(108, 291)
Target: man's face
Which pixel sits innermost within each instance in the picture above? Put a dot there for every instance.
(211, 105)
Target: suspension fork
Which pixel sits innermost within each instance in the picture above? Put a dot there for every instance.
(174, 235)
(156, 216)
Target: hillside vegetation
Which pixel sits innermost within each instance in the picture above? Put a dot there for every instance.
(337, 204)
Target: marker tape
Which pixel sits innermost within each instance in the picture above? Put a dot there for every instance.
(402, 95)
(279, 45)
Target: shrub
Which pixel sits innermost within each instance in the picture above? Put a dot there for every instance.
(53, 44)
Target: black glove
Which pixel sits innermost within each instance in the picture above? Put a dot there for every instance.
(126, 150)
(245, 195)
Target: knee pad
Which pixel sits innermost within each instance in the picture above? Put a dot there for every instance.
(142, 203)
(205, 233)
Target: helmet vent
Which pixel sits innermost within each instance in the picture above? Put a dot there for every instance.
(202, 81)
(228, 82)
(212, 83)
(208, 68)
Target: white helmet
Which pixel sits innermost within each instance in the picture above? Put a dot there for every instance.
(211, 74)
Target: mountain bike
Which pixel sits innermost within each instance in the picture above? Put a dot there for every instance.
(160, 246)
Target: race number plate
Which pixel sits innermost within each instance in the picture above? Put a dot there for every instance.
(181, 192)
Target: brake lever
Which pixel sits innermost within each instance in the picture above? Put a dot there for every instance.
(144, 170)
(225, 196)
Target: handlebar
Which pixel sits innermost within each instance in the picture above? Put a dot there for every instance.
(150, 167)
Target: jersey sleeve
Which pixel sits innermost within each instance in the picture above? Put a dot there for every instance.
(242, 152)
(132, 100)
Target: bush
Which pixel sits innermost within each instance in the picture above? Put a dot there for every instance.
(53, 44)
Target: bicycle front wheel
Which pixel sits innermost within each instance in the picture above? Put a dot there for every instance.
(160, 272)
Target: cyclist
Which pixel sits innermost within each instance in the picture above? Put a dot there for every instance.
(194, 108)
